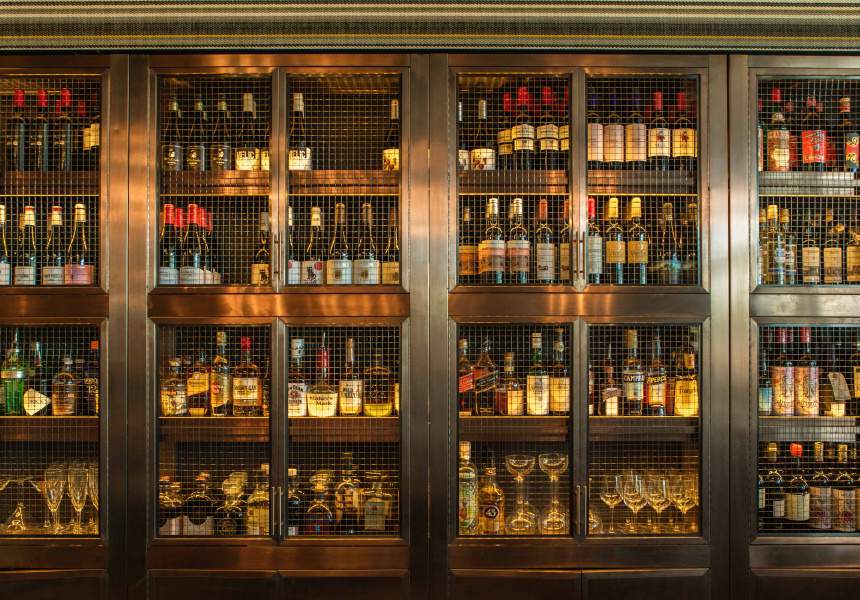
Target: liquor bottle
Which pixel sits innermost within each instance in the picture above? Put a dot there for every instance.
(377, 503)
(509, 395)
(61, 136)
(482, 156)
(854, 361)
(339, 263)
(171, 145)
(778, 136)
(776, 248)
(318, 518)
(690, 246)
(517, 246)
(90, 381)
(198, 386)
(351, 386)
(294, 264)
(365, 264)
(833, 269)
(659, 135)
(820, 492)
(391, 147)
(210, 277)
(37, 399)
(852, 252)
(230, 518)
(595, 133)
(763, 258)
(39, 138)
(523, 132)
(380, 388)
(491, 505)
(299, 153)
(263, 125)
(199, 509)
(772, 514)
(782, 376)
(616, 248)
(257, 515)
(797, 493)
(467, 486)
(684, 139)
(849, 132)
(79, 269)
(545, 248)
(593, 397)
(64, 391)
(669, 272)
(610, 393)
(491, 250)
(247, 153)
(174, 391)
(13, 373)
(467, 251)
(813, 137)
(347, 495)
(262, 257)
(195, 149)
(564, 130)
(810, 256)
(465, 380)
(247, 386)
(559, 378)
(312, 262)
(191, 272)
(655, 382)
(25, 265)
(633, 376)
(635, 137)
(790, 247)
(168, 270)
(221, 147)
(564, 256)
(53, 269)
(793, 119)
(486, 381)
(844, 494)
(593, 245)
(391, 256)
(463, 158)
(765, 387)
(220, 381)
(94, 133)
(82, 137)
(297, 388)
(5, 258)
(686, 402)
(806, 378)
(613, 137)
(322, 395)
(537, 380)
(295, 503)
(547, 133)
(504, 141)
(637, 244)
(16, 135)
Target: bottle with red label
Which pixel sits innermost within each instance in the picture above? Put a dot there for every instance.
(659, 135)
(782, 376)
(806, 378)
(848, 149)
(778, 136)
(465, 380)
(813, 137)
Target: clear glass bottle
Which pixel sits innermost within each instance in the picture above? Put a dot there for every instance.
(467, 251)
(53, 269)
(28, 254)
(220, 379)
(13, 374)
(610, 394)
(378, 391)
(559, 379)
(616, 248)
(262, 257)
(350, 386)
(294, 262)
(319, 519)
(391, 147)
(670, 259)
(37, 398)
(365, 264)
(257, 515)
(347, 498)
(338, 268)
(174, 391)
(312, 262)
(593, 245)
(833, 263)
(322, 395)
(545, 248)
(247, 384)
(64, 390)
(467, 477)
(199, 509)
(509, 395)
(537, 380)
(491, 250)
(517, 246)
(297, 388)
(790, 247)
(79, 268)
(377, 504)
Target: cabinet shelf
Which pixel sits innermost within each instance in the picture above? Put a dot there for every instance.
(513, 182)
(806, 183)
(49, 429)
(514, 429)
(809, 429)
(345, 429)
(339, 182)
(50, 183)
(214, 429)
(642, 428)
(302, 429)
(667, 183)
(215, 183)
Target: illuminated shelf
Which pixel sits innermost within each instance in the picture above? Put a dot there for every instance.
(605, 181)
(49, 429)
(344, 183)
(215, 183)
(643, 428)
(50, 183)
(809, 429)
(513, 182)
(514, 429)
(345, 429)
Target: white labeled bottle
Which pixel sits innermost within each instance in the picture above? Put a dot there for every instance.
(322, 395)
(262, 257)
(365, 265)
(537, 380)
(545, 248)
(559, 379)
(312, 262)
(350, 386)
(53, 269)
(391, 256)
(338, 268)
(297, 388)
(79, 268)
(25, 264)
(247, 384)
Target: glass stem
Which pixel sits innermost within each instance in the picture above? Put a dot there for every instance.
(55, 519)
(521, 495)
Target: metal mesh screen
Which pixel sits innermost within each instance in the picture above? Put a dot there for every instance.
(343, 159)
(644, 429)
(809, 217)
(513, 398)
(214, 137)
(49, 431)
(809, 402)
(344, 431)
(643, 180)
(513, 155)
(214, 431)
(49, 190)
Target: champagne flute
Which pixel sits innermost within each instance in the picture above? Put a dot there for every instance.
(93, 490)
(78, 475)
(633, 494)
(610, 493)
(55, 486)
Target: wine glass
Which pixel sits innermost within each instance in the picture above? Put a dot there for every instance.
(523, 521)
(657, 495)
(78, 476)
(610, 493)
(43, 491)
(93, 490)
(55, 486)
(679, 494)
(633, 494)
(554, 520)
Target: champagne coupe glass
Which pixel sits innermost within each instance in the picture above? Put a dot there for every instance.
(680, 496)
(633, 494)
(657, 495)
(554, 520)
(610, 493)
(93, 490)
(78, 475)
(55, 486)
(523, 521)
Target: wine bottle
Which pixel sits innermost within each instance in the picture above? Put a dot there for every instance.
(595, 133)
(849, 132)
(94, 132)
(564, 246)
(262, 257)
(61, 143)
(195, 150)
(523, 131)
(491, 250)
(365, 265)
(191, 272)
(312, 262)
(778, 136)
(659, 136)
(294, 263)
(637, 244)
(171, 146)
(616, 249)
(813, 137)
(299, 152)
(5, 259)
(168, 269)
(545, 248)
(635, 137)
(391, 256)
(79, 269)
(517, 246)
(339, 265)
(482, 156)
(221, 150)
(39, 142)
(53, 269)
(593, 245)
(684, 142)
(391, 147)
(504, 142)
(547, 132)
(16, 135)
(463, 158)
(247, 156)
(613, 137)
(27, 260)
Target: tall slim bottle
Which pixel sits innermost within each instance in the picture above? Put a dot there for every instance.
(62, 145)
(171, 139)
(810, 253)
(517, 246)
(486, 382)
(247, 384)
(813, 137)
(613, 136)
(467, 485)
(168, 269)
(294, 263)
(391, 146)
(782, 376)
(39, 139)
(79, 269)
(659, 135)
(391, 255)
(635, 136)
(523, 132)
(833, 263)
(5, 258)
(537, 380)
(616, 248)
(53, 269)
(16, 135)
(482, 155)
(547, 132)
(221, 150)
(467, 251)
(338, 269)
(299, 152)
(504, 141)
(633, 376)
(637, 244)
(790, 247)
(380, 389)
(806, 402)
(297, 387)
(684, 138)
(655, 381)
(564, 259)
(220, 381)
(465, 380)
(262, 257)
(312, 262)
(491, 250)
(350, 386)
(28, 254)
(595, 133)
(593, 245)
(545, 248)
(365, 264)
(195, 149)
(559, 378)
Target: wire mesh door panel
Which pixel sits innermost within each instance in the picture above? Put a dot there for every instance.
(644, 207)
(214, 449)
(49, 430)
(214, 135)
(514, 450)
(808, 209)
(513, 163)
(49, 187)
(344, 450)
(344, 163)
(808, 407)
(644, 429)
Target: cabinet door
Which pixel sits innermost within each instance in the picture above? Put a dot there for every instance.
(782, 583)
(374, 587)
(47, 585)
(500, 585)
(213, 585)
(646, 584)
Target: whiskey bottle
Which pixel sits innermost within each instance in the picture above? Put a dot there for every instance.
(849, 132)
(610, 393)
(517, 246)
(467, 484)
(198, 386)
(174, 391)
(504, 141)
(637, 244)
(616, 248)
(765, 388)
(312, 262)
(26, 264)
(806, 378)
(778, 136)
(171, 145)
(295, 503)
(813, 137)
(220, 380)
(782, 377)
(491, 505)
(191, 272)
(230, 518)
(509, 395)
(633, 376)
(593, 245)
(564, 256)
(852, 252)
(64, 391)
(486, 381)
(467, 251)
(463, 158)
(5, 258)
(247, 385)
(790, 247)
(776, 248)
(545, 248)
(37, 398)
(380, 388)
(844, 494)
(613, 136)
(391, 147)
(257, 515)
(347, 498)
(772, 514)
(810, 257)
(79, 269)
(168, 270)
(221, 151)
(559, 379)
(391, 256)
(297, 388)
(465, 380)
(537, 380)
(635, 137)
(351, 386)
(195, 151)
(564, 131)
(318, 519)
(763, 258)
(39, 139)
(523, 132)
(686, 401)
(199, 509)
(339, 264)
(294, 264)
(482, 156)
(684, 139)
(12, 374)
(797, 493)
(365, 265)
(655, 382)
(491, 250)
(299, 152)
(595, 133)
(833, 269)
(377, 503)
(61, 137)
(53, 269)
(322, 395)
(547, 133)
(659, 135)
(15, 140)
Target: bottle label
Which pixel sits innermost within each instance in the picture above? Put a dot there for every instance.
(491, 256)
(466, 382)
(168, 276)
(594, 254)
(259, 274)
(655, 390)
(191, 276)
(338, 272)
(635, 142)
(797, 507)
(610, 399)
(778, 150)
(765, 401)
(25, 275)
(779, 508)
(856, 381)
(782, 379)
(297, 404)
(503, 136)
(312, 272)
(687, 397)
(198, 383)
(820, 507)
(761, 498)
(257, 522)
(391, 272)
(615, 252)
(564, 137)
(482, 159)
(852, 151)
(637, 252)
(806, 391)
(247, 159)
(467, 509)
(351, 392)
(171, 156)
(517, 256)
(514, 405)
(852, 258)
(95, 134)
(365, 271)
(548, 131)
(545, 261)
(195, 158)
(844, 507)
(222, 157)
(246, 392)
(5, 273)
(53, 275)
(595, 142)
(613, 143)
(463, 158)
(219, 392)
(559, 395)
(174, 403)
(294, 272)
(523, 136)
(548, 144)
(833, 265)
(391, 159)
(814, 146)
(684, 142)
(86, 142)
(537, 394)
(659, 142)
(760, 149)
(467, 260)
(811, 258)
(265, 162)
(322, 404)
(35, 402)
(634, 386)
(564, 261)
(299, 159)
